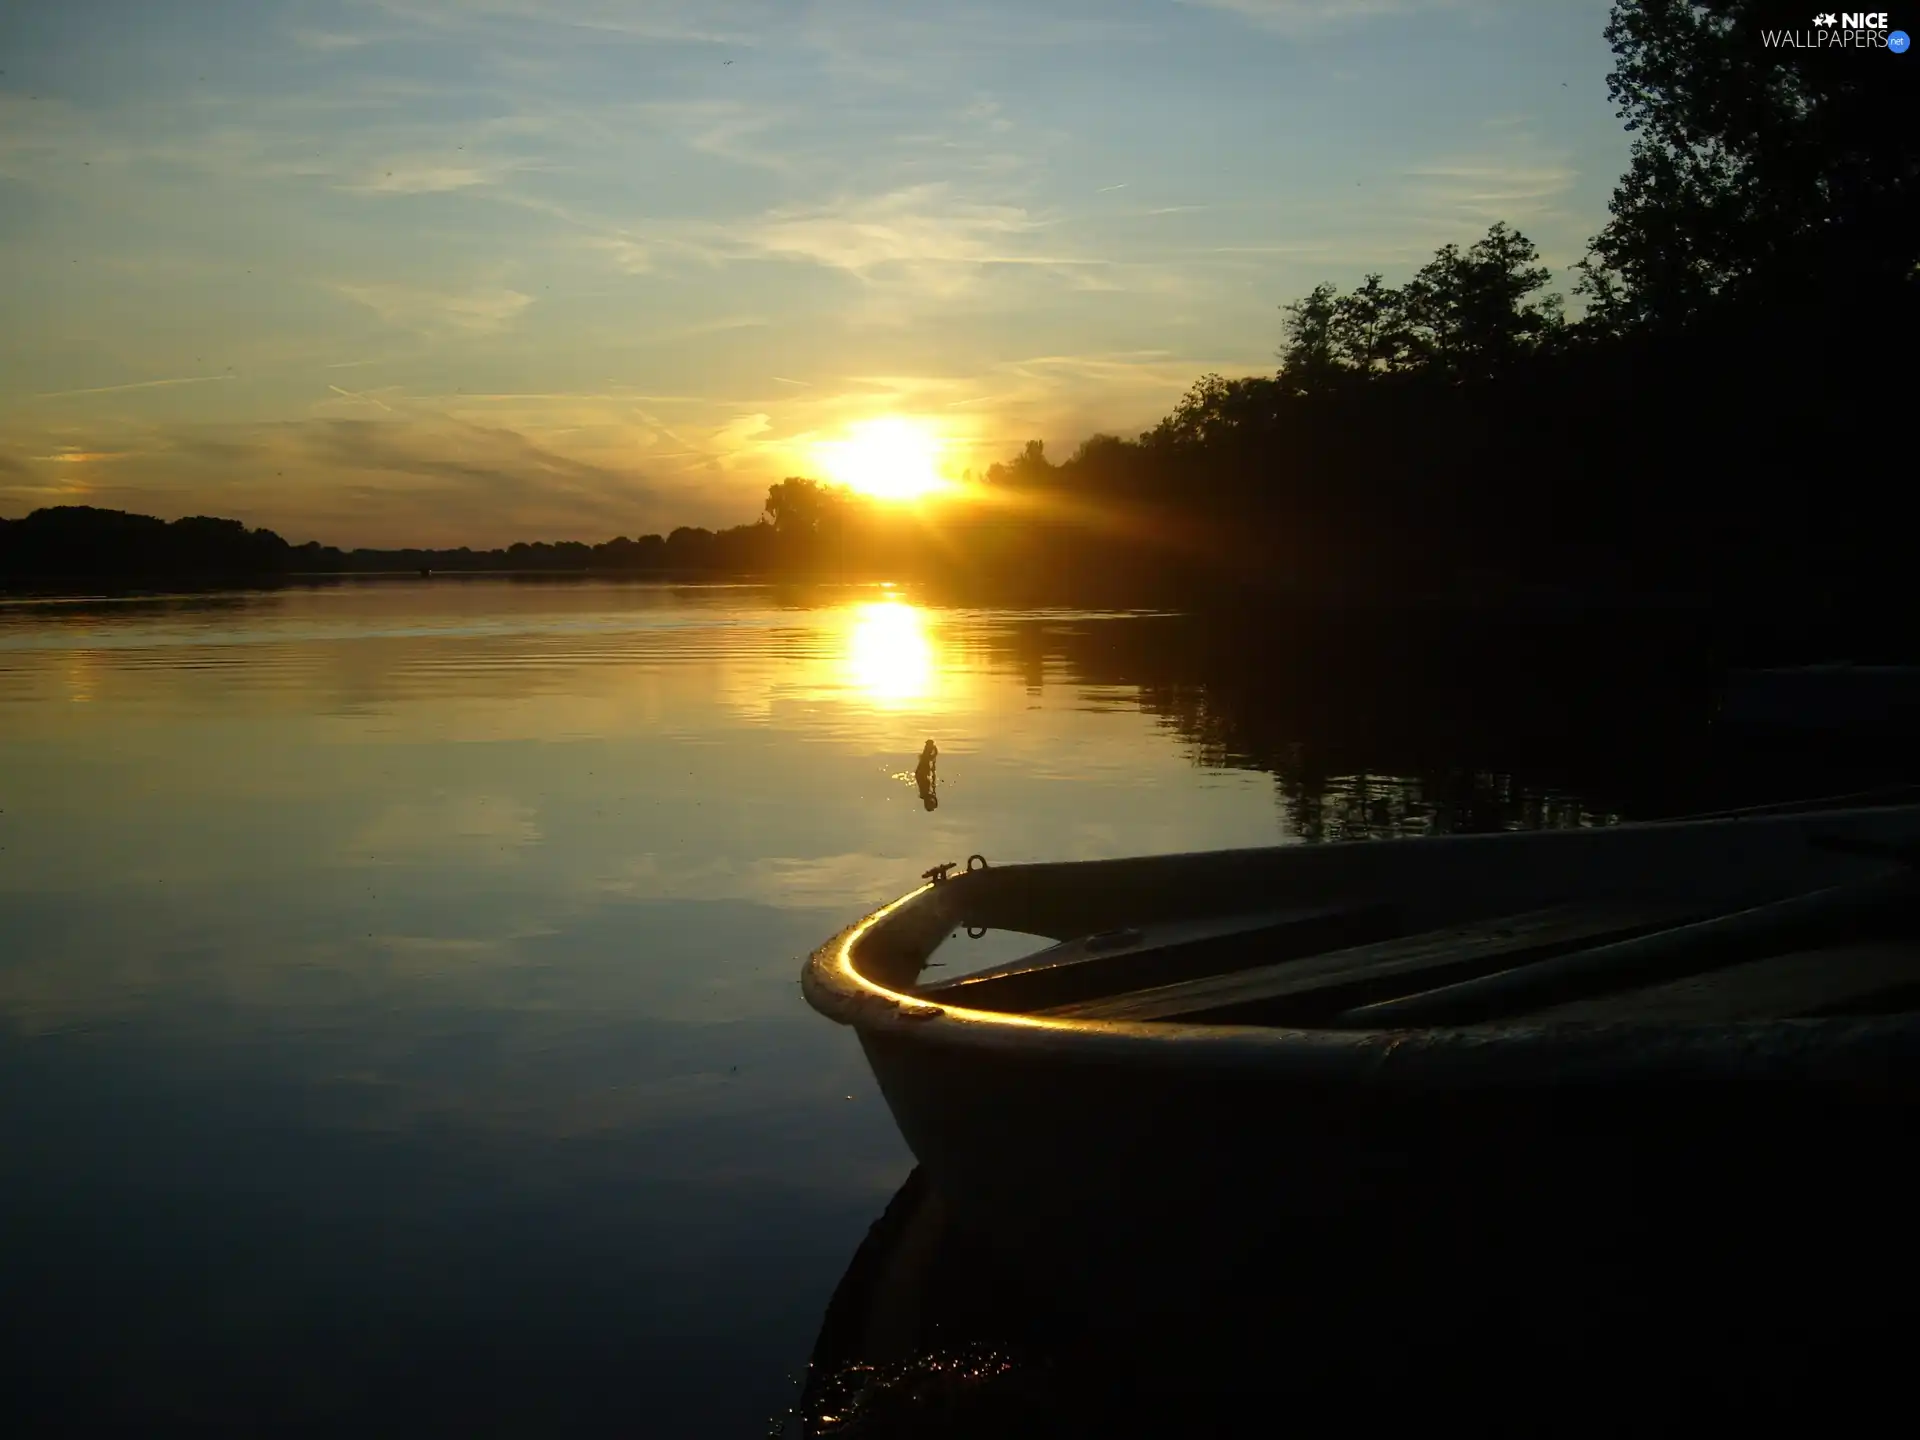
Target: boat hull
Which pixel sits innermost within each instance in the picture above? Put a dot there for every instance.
(1129, 1171)
(1125, 1190)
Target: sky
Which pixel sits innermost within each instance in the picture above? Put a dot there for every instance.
(445, 272)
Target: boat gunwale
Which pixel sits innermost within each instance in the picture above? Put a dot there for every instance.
(1854, 1050)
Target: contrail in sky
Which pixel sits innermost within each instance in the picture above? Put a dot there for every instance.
(134, 385)
(357, 395)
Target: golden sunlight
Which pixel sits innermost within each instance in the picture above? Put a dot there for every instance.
(888, 459)
(889, 656)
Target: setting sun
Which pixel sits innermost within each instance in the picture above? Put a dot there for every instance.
(889, 459)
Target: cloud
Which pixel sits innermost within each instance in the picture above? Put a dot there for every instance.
(742, 431)
(1481, 190)
(440, 314)
(328, 40)
(364, 395)
(705, 22)
(987, 111)
(363, 132)
(1297, 17)
(500, 470)
(628, 256)
(920, 225)
(424, 178)
(133, 385)
(912, 247)
(82, 457)
(405, 478)
(726, 130)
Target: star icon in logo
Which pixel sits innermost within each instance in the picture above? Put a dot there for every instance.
(1825, 22)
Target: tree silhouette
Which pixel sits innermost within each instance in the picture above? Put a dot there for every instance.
(1313, 358)
(1371, 329)
(1759, 175)
(803, 507)
(1468, 314)
(1217, 411)
(1029, 467)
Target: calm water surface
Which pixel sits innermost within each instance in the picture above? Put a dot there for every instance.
(399, 1022)
(398, 1010)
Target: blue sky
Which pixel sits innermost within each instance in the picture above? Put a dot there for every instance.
(470, 271)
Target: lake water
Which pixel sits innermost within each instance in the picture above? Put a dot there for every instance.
(399, 1023)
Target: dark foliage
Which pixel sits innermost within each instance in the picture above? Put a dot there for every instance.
(81, 541)
(1763, 175)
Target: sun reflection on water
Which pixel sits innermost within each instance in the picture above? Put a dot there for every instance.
(890, 657)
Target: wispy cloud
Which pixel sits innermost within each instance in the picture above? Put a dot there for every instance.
(1298, 17)
(82, 457)
(440, 313)
(328, 40)
(988, 112)
(1479, 190)
(133, 385)
(424, 177)
(726, 129)
(922, 225)
(370, 399)
(475, 460)
(706, 22)
(413, 477)
(628, 255)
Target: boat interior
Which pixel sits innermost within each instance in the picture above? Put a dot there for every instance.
(1737, 935)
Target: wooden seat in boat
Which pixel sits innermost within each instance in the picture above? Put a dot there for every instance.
(1872, 977)
(1311, 989)
(1134, 957)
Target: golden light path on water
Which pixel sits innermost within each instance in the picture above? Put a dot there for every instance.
(890, 656)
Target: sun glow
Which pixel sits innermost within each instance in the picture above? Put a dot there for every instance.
(888, 459)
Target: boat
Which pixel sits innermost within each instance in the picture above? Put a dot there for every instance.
(1660, 1072)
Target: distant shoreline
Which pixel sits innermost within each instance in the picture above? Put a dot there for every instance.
(1513, 598)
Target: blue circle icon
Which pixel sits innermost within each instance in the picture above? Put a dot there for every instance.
(1898, 42)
